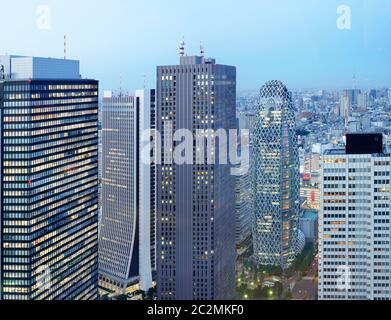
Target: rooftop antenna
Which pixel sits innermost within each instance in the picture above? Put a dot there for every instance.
(120, 86)
(145, 81)
(65, 46)
(182, 48)
(354, 82)
(202, 50)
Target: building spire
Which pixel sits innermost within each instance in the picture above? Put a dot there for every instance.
(182, 48)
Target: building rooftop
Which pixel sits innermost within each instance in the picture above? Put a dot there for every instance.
(367, 143)
(361, 144)
(336, 152)
(14, 67)
(309, 215)
(194, 60)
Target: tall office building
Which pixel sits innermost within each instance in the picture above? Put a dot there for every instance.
(195, 202)
(352, 95)
(153, 185)
(49, 180)
(243, 186)
(275, 175)
(354, 226)
(243, 205)
(124, 238)
(363, 101)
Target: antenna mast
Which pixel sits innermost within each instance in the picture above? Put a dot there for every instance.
(65, 46)
(120, 86)
(182, 48)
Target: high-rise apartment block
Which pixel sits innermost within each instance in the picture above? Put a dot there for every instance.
(49, 180)
(354, 222)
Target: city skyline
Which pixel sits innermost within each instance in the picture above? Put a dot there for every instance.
(203, 151)
(321, 55)
(197, 95)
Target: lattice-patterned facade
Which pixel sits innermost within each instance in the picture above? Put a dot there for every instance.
(275, 178)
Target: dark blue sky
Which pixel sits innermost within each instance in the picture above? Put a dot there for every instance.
(296, 41)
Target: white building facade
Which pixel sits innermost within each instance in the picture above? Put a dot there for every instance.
(125, 233)
(354, 226)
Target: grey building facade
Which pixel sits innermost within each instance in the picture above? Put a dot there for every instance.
(195, 202)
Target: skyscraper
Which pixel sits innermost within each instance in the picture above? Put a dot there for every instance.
(243, 205)
(49, 181)
(352, 95)
(275, 172)
(363, 101)
(354, 222)
(345, 106)
(243, 186)
(124, 244)
(153, 186)
(195, 202)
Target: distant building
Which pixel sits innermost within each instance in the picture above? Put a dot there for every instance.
(354, 221)
(312, 163)
(308, 224)
(362, 102)
(354, 126)
(366, 123)
(311, 196)
(353, 95)
(49, 174)
(345, 106)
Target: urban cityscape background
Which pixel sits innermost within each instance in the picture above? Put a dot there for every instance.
(135, 166)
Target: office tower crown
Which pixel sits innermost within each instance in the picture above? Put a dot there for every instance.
(274, 96)
(37, 68)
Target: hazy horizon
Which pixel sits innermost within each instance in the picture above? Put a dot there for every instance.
(297, 43)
